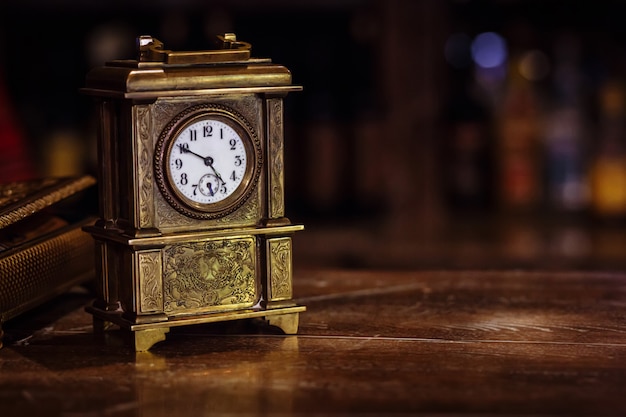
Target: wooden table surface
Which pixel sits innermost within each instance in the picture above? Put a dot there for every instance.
(371, 342)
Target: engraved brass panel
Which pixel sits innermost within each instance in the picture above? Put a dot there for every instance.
(213, 275)
(150, 283)
(165, 109)
(164, 149)
(144, 152)
(279, 268)
(276, 203)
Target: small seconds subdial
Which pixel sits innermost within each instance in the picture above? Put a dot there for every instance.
(209, 184)
(207, 161)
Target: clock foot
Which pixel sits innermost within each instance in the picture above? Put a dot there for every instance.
(143, 340)
(140, 340)
(288, 323)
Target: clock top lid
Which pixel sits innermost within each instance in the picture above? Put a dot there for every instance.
(159, 72)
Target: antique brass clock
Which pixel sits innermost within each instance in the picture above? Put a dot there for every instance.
(192, 225)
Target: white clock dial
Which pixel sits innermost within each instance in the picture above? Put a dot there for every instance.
(207, 162)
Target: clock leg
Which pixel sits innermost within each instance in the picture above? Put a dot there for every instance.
(102, 333)
(144, 339)
(100, 326)
(288, 323)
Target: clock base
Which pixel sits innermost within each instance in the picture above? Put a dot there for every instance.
(145, 335)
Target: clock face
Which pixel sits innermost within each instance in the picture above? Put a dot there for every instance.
(206, 163)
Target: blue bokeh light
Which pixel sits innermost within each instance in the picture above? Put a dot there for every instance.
(489, 50)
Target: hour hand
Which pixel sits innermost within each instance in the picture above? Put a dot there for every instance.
(208, 161)
(184, 149)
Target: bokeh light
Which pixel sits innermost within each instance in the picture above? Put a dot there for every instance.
(534, 65)
(489, 50)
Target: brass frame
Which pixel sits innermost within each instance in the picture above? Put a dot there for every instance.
(163, 149)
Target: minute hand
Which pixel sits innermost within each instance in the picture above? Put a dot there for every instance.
(209, 162)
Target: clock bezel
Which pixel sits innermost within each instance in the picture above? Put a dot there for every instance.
(252, 146)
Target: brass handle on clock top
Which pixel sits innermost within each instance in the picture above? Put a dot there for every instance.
(227, 48)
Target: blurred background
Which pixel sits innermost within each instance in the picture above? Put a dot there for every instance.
(430, 133)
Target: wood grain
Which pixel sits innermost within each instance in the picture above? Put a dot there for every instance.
(371, 342)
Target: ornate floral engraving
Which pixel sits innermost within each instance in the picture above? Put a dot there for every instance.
(150, 284)
(275, 156)
(249, 107)
(210, 275)
(144, 153)
(246, 215)
(279, 253)
(164, 109)
(170, 218)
